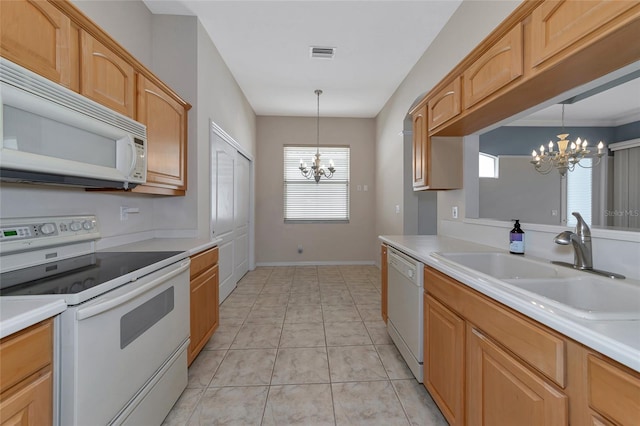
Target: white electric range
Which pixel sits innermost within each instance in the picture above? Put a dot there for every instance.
(122, 341)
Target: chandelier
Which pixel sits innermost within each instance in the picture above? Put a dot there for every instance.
(317, 169)
(564, 159)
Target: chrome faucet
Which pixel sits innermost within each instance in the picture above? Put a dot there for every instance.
(581, 240)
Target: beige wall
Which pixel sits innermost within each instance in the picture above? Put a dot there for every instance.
(473, 21)
(277, 242)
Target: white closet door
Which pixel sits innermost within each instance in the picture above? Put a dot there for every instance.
(241, 215)
(223, 210)
(230, 208)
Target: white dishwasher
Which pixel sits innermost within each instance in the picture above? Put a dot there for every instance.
(405, 308)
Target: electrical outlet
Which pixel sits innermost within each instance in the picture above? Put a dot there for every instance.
(397, 208)
(300, 249)
(454, 212)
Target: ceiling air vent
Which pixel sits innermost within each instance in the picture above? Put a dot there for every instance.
(323, 52)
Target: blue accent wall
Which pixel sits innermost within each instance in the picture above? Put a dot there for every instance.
(512, 140)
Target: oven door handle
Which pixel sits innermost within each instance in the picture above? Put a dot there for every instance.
(108, 304)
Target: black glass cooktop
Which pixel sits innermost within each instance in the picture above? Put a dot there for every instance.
(76, 274)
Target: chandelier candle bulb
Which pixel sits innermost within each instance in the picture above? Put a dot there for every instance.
(550, 146)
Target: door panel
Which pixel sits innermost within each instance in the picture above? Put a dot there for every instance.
(241, 216)
(223, 176)
(231, 207)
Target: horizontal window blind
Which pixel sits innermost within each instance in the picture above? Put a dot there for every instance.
(306, 200)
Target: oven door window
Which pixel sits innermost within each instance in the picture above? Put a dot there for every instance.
(134, 323)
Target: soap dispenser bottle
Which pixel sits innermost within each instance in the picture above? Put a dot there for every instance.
(516, 239)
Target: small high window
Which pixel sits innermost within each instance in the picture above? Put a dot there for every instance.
(488, 165)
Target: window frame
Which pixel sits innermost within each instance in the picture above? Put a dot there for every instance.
(346, 182)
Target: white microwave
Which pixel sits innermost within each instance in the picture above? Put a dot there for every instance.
(53, 135)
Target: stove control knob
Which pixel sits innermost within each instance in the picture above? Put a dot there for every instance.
(48, 228)
(75, 226)
(88, 225)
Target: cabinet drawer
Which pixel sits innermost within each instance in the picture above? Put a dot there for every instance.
(24, 353)
(445, 104)
(496, 68)
(613, 392)
(541, 348)
(203, 261)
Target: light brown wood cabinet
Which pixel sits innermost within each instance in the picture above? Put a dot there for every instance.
(612, 392)
(495, 69)
(204, 311)
(444, 358)
(531, 57)
(421, 142)
(514, 369)
(39, 37)
(166, 121)
(437, 161)
(445, 104)
(556, 25)
(106, 77)
(384, 283)
(501, 390)
(26, 385)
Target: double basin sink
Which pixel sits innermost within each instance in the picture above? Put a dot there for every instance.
(552, 287)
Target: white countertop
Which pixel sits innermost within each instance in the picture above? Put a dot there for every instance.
(190, 245)
(619, 340)
(16, 315)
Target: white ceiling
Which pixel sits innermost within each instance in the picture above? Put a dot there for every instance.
(266, 45)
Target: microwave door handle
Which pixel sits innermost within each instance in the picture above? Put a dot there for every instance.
(128, 141)
(134, 158)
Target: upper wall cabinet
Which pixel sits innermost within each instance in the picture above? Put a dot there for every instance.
(166, 121)
(420, 148)
(38, 36)
(437, 161)
(106, 77)
(445, 104)
(496, 68)
(558, 24)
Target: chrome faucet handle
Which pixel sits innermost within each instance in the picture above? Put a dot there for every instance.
(582, 229)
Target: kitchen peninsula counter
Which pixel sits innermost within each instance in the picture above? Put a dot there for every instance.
(617, 339)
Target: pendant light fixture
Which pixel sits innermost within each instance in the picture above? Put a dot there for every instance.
(317, 169)
(567, 156)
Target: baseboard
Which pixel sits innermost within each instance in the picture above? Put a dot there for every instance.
(316, 263)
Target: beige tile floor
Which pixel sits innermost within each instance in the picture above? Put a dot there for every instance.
(303, 346)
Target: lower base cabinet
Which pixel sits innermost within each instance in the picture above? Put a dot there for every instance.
(26, 384)
(503, 391)
(486, 364)
(204, 311)
(444, 362)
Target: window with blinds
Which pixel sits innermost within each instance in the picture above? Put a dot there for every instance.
(308, 201)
